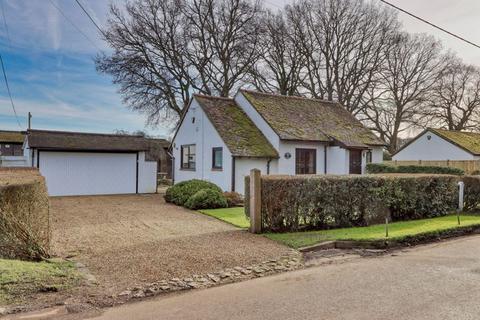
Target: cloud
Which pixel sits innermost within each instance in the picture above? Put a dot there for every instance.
(60, 115)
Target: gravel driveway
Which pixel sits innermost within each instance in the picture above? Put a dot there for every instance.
(129, 240)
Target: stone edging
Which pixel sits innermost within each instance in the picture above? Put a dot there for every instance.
(292, 261)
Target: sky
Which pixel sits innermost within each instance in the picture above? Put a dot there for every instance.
(51, 70)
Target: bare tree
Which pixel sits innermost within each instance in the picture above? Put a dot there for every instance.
(225, 40)
(455, 100)
(164, 50)
(344, 44)
(413, 64)
(149, 58)
(279, 69)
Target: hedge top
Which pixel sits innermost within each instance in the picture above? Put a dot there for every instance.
(237, 130)
(297, 118)
(18, 176)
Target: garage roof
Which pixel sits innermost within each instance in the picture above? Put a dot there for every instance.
(81, 141)
(11, 136)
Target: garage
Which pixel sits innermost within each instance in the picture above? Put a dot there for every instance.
(91, 164)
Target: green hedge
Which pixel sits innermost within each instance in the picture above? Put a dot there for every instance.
(291, 203)
(24, 215)
(383, 168)
(472, 192)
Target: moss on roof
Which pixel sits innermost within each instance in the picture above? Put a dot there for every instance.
(11, 136)
(469, 141)
(297, 118)
(236, 129)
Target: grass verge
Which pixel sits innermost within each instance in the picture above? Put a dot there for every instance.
(20, 279)
(235, 216)
(398, 231)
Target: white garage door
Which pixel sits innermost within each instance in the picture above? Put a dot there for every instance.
(86, 173)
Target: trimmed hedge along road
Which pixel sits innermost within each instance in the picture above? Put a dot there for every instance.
(295, 203)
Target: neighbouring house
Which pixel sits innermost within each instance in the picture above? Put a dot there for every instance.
(158, 151)
(222, 139)
(11, 148)
(75, 163)
(440, 144)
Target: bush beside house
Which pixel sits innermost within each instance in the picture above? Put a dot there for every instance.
(24, 215)
(207, 199)
(196, 194)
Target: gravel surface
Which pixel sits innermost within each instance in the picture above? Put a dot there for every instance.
(131, 240)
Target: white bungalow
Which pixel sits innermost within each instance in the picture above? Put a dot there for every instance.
(439, 145)
(222, 139)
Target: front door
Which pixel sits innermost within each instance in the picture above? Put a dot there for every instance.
(355, 161)
(305, 161)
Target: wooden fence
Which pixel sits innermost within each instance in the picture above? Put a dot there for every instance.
(469, 166)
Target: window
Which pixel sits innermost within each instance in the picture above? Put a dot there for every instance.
(305, 161)
(188, 156)
(369, 157)
(217, 158)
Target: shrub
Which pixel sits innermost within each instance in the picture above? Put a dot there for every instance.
(24, 215)
(182, 191)
(234, 199)
(207, 199)
(472, 193)
(383, 168)
(290, 203)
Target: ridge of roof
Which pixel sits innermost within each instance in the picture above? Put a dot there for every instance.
(67, 140)
(84, 133)
(206, 96)
(288, 97)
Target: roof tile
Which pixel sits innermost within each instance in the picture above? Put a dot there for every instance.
(298, 118)
(236, 129)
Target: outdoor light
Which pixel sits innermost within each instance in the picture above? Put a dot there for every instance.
(288, 155)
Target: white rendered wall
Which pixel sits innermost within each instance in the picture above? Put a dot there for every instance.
(337, 160)
(377, 157)
(377, 154)
(287, 166)
(242, 169)
(436, 148)
(147, 175)
(13, 161)
(203, 134)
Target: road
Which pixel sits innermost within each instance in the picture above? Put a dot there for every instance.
(439, 281)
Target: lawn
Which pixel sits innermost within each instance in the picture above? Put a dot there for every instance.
(19, 279)
(235, 216)
(397, 231)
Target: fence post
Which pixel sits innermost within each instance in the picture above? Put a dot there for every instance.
(461, 192)
(255, 201)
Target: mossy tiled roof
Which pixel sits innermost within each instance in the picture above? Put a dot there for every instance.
(236, 129)
(11, 136)
(297, 118)
(470, 141)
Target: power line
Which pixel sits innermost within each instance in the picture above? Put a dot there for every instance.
(8, 90)
(90, 17)
(73, 24)
(431, 24)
